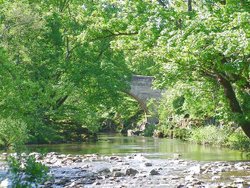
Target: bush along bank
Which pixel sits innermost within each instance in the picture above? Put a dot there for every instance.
(207, 135)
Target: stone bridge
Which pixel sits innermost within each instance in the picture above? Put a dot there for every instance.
(141, 90)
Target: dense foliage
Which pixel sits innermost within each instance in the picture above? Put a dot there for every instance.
(65, 65)
(52, 77)
(199, 50)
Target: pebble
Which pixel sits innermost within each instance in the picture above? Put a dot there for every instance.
(62, 181)
(137, 171)
(215, 178)
(116, 169)
(189, 178)
(174, 177)
(118, 174)
(239, 181)
(148, 164)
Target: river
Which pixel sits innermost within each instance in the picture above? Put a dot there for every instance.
(162, 148)
(139, 162)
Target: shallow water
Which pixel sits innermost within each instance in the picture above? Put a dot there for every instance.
(149, 147)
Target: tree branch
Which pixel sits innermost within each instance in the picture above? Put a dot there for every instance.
(114, 35)
(190, 5)
(162, 3)
(60, 102)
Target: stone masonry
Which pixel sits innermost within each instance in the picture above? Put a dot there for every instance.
(141, 87)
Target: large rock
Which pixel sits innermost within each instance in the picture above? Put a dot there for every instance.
(131, 172)
(131, 132)
(154, 172)
(37, 156)
(104, 171)
(62, 181)
(158, 134)
(118, 174)
(195, 169)
(6, 183)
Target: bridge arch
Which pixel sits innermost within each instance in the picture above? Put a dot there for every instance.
(141, 89)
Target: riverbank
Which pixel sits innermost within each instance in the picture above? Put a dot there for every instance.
(136, 170)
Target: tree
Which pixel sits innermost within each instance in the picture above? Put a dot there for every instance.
(67, 62)
(206, 41)
(215, 46)
(55, 76)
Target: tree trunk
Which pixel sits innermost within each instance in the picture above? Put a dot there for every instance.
(234, 103)
(246, 127)
(223, 2)
(190, 5)
(60, 102)
(161, 3)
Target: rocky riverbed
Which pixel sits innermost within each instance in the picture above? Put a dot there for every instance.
(137, 171)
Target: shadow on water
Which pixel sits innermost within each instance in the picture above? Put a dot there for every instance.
(150, 147)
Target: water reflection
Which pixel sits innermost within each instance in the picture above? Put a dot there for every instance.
(151, 147)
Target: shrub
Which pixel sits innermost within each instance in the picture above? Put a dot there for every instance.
(13, 133)
(149, 130)
(40, 133)
(27, 175)
(209, 135)
(174, 131)
(181, 133)
(238, 140)
(166, 130)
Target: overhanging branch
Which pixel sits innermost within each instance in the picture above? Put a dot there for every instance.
(114, 35)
